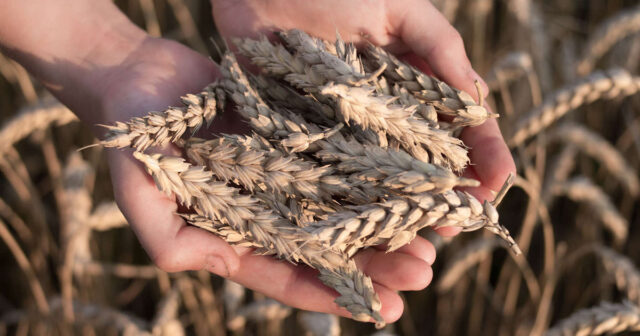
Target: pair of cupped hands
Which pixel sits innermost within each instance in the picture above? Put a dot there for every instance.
(159, 71)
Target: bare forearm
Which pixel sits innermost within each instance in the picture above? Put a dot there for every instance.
(69, 45)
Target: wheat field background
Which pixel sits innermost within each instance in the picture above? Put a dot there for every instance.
(565, 77)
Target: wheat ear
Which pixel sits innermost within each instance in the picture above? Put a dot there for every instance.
(253, 163)
(606, 35)
(359, 106)
(396, 221)
(193, 186)
(606, 318)
(32, 119)
(430, 90)
(160, 128)
(601, 150)
(599, 85)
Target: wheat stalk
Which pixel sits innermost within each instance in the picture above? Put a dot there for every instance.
(581, 189)
(606, 318)
(599, 85)
(607, 34)
(597, 147)
(470, 256)
(160, 128)
(258, 311)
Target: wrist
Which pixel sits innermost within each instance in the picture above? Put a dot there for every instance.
(69, 45)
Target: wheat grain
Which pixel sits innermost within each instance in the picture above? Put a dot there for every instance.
(606, 318)
(607, 34)
(160, 128)
(599, 85)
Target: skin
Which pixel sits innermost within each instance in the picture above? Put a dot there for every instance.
(105, 69)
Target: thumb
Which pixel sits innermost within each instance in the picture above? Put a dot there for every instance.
(431, 37)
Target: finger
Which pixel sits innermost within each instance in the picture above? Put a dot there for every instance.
(418, 247)
(171, 244)
(430, 36)
(397, 271)
(299, 286)
(490, 157)
(448, 231)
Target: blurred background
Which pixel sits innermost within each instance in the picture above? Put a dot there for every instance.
(70, 265)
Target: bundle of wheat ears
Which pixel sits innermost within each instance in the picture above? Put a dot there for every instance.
(348, 150)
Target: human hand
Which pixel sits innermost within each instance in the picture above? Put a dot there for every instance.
(413, 29)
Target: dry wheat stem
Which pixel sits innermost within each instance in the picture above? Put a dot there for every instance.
(581, 189)
(106, 216)
(32, 119)
(271, 234)
(160, 128)
(606, 318)
(606, 35)
(601, 150)
(471, 255)
(599, 85)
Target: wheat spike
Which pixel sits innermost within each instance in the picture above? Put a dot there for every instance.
(606, 318)
(31, 119)
(213, 200)
(397, 220)
(606, 35)
(358, 105)
(253, 163)
(314, 53)
(160, 128)
(394, 168)
(625, 273)
(429, 90)
(599, 85)
(601, 150)
(581, 189)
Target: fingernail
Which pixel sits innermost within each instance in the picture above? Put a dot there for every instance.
(216, 265)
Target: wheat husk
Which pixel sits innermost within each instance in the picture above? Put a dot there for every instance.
(610, 84)
(160, 128)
